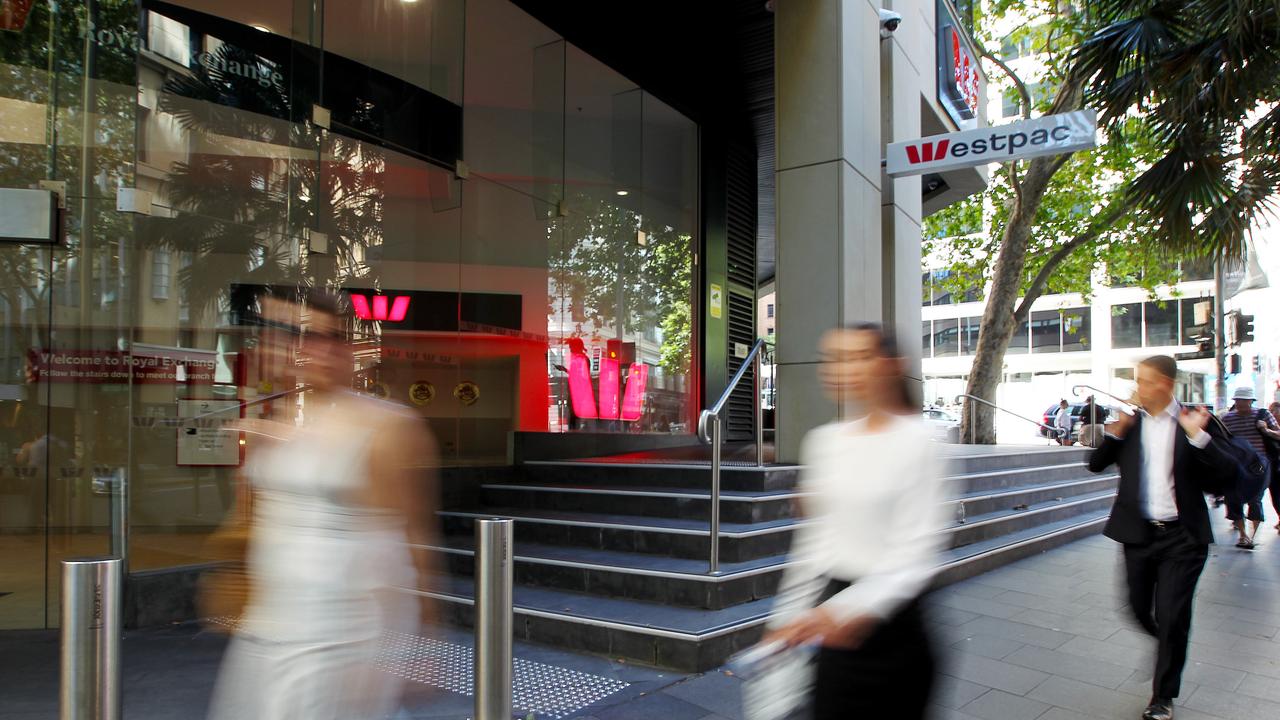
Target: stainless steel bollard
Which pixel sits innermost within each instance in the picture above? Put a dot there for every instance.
(493, 657)
(91, 623)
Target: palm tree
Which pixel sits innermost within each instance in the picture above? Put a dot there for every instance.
(1205, 75)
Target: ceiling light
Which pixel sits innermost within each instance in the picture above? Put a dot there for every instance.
(261, 28)
(623, 193)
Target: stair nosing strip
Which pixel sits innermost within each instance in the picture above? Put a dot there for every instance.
(596, 622)
(1032, 488)
(640, 528)
(644, 493)
(671, 574)
(985, 553)
(1015, 471)
(669, 466)
(1027, 513)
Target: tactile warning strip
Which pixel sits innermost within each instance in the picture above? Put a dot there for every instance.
(548, 691)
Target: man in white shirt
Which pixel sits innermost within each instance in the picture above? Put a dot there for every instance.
(1169, 458)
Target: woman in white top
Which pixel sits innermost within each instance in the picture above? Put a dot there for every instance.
(874, 502)
(337, 499)
(1062, 421)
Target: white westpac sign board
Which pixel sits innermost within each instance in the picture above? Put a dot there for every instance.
(1048, 135)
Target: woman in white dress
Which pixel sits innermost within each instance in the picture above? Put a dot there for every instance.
(873, 498)
(335, 500)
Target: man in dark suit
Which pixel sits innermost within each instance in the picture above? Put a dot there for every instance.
(1169, 457)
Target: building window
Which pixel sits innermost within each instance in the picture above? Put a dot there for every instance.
(169, 38)
(160, 274)
(1020, 343)
(1190, 319)
(770, 332)
(1075, 330)
(946, 338)
(1046, 331)
(1161, 320)
(1012, 105)
(769, 310)
(926, 339)
(1126, 325)
(969, 335)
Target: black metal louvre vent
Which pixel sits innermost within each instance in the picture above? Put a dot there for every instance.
(740, 422)
(741, 197)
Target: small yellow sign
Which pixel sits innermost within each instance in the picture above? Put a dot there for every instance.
(717, 301)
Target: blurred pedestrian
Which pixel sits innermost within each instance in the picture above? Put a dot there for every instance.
(874, 498)
(1091, 417)
(1168, 460)
(1275, 470)
(338, 498)
(1260, 429)
(1062, 421)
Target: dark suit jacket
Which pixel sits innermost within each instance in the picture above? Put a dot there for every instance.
(1195, 472)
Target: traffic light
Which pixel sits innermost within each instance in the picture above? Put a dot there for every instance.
(1233, 365)
(1257, 364)
(1244, 329)
(623, 352)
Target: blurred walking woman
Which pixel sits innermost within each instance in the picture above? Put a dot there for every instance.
(873, 496)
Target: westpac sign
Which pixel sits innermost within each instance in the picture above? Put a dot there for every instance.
(1048, 135)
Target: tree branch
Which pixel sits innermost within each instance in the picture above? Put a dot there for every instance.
(1118, 209)
(1018, 84)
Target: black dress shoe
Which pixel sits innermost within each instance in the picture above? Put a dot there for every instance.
(1159, 709)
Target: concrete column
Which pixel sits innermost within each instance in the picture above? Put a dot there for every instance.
(829, 210)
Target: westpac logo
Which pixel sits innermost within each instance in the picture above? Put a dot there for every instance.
(380, 307)
(927, 152)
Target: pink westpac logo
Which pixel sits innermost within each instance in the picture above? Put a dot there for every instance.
(927, 152)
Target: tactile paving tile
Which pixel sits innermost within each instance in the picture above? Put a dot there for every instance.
(546, 690)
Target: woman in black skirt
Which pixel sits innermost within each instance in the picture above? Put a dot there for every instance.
(873, 496)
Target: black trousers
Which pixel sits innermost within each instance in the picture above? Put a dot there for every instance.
(1162, 578)
(1251, 495)
(888, 677)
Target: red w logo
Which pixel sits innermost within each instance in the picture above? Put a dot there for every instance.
(930, 153)
(379, 310)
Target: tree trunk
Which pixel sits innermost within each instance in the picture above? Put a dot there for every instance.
(977, 424)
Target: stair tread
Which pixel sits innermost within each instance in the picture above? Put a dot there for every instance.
(983, 546)
(637, 613)
(642, 522)
(981, 494)
(648, 491)
(1046, 505)
(622, 561)
(1082, 465)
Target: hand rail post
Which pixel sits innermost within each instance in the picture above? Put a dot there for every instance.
(759, 414)
(714, 564)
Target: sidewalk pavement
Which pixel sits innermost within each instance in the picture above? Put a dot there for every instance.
(1045, 638)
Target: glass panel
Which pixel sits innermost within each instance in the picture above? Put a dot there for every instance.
(969, 329)
(1076, 329)
(418, 42)
(1162, 323)
(1126, 325)
(926, 338)
(946, 338)
(1046, 331)
(1019, 344)
(514, 126)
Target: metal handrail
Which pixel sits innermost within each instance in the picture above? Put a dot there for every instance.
(1075, 390)
(710, 425)
(973, 426)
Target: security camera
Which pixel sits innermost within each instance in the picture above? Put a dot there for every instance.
(889, 22)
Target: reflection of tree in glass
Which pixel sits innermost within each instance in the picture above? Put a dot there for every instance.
(612, 277)
(257, 183)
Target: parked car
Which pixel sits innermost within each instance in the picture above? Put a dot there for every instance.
(945, 426)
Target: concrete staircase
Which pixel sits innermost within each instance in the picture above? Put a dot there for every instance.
(611, 557)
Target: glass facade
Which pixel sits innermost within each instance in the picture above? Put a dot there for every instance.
(499, 207)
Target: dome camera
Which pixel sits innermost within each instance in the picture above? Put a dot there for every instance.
(889, 22)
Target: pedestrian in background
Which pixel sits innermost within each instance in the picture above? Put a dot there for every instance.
(1260, 429)
(873, 494)
(1275, 470)
(1062, 421)
(1169, 458)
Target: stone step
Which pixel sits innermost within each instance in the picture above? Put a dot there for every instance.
(736, 506)
(1007, 522)
(688, 476)
(966, 459)
(674, 581)
(984, 502)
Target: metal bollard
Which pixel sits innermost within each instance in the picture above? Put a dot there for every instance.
(493, 661)
(91, 621)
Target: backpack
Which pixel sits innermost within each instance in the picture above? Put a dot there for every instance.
(1250, 468)
(1273, 446)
